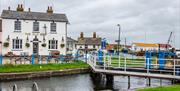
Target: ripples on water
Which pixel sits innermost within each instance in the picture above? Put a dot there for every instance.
(81, 82)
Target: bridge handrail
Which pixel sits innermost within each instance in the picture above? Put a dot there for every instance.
(107, 60)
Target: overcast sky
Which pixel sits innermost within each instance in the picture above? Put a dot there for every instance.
(148, 21)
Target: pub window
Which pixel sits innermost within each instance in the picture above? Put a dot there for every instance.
(36, 26)
(17, 44)
(53, 27)
(53, 44)
(94, 46)
(17, 25)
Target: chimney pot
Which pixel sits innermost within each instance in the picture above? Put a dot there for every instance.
(50, 10)
(94, 34)
(9, 8)
(20, 7)
(82, 35)
(29, 9)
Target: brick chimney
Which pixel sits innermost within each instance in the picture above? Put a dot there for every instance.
(94, 34)
(29, 9)
(9, 8)
(50, 10)
(20, 8)
(81, 35)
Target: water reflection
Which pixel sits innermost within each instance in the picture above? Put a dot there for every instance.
(82, 82)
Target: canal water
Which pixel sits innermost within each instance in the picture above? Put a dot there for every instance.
(80, 82)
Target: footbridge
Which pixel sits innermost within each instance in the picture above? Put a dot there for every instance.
(140, 67)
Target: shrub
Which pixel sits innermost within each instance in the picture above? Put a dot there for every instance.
(62, 45)
(27, 45)
(6, 44)
(43, 45)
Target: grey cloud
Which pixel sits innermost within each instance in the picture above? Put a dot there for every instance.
(155, 18)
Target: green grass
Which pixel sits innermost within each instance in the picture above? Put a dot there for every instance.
(129, 62)
(9, 68)
(162, 88)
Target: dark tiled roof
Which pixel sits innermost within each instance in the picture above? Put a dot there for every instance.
(0, 25)
(69, 39)
(89, 41)
(9, 14)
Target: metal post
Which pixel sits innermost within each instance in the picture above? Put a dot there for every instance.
(174, 66)
(119, 60)
(104, 61)
(1, 59)
(118, 47)
(148, 65)
(32, 59)
(35, 87)
(39, 59)
(129, 82)
(125, 63)
(110, 59)
(14, 87)
(95, 61)
(156, 63)
(148, 81)
(160, 82)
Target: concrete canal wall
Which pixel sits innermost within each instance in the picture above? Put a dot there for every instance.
(30, 75)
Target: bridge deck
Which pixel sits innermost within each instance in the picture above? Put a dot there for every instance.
(130, 73)
(131, 68)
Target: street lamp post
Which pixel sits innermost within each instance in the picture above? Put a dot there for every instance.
(119, 38)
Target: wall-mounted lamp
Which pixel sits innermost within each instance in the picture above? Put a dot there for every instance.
(27, 39)
(44, 39)
(8, 38)
(62, 39)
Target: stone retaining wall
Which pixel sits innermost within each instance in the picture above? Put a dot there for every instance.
(41, 74)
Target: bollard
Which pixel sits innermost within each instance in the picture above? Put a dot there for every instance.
(1, 59)
(35, 87)
(32, 59)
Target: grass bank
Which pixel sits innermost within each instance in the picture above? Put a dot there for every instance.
(41, 67)
(162, 88)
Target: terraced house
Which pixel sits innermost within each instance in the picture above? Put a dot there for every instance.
(27, 32)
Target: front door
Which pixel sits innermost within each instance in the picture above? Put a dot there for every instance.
(35, 48)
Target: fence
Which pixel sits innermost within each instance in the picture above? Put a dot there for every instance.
(144, 65)
(35, 59)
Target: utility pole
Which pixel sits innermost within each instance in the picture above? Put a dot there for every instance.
(125, 43)
(119, 38)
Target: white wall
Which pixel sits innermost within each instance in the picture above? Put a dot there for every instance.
(138, 48)
(0, 44)
(27, 27)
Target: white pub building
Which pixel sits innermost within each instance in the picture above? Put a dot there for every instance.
(33, 32)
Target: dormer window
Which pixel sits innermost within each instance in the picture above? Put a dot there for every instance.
(17, 25)
(53, 27)
(36, 26)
